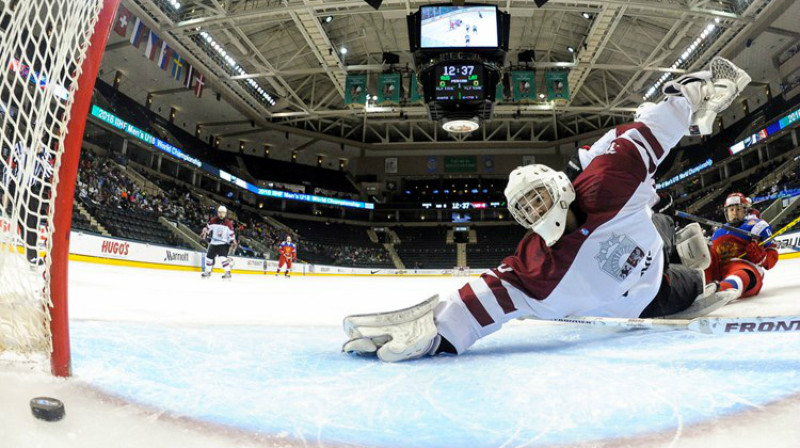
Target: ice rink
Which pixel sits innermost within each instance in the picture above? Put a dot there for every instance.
(165, 359)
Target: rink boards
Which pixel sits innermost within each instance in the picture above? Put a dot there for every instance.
(118, 251)
(108, 250)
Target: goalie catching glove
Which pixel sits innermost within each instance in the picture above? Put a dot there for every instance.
(709, 92)
(395, 335)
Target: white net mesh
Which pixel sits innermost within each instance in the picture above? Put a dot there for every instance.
(42, 46)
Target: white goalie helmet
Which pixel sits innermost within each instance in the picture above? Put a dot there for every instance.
(539, 198)
(222, 211)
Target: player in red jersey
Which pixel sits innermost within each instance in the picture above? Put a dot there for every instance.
(287, 253)
(739, 261)
(596, 248)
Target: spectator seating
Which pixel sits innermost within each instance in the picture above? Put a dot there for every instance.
(425, 247)
(494, 243)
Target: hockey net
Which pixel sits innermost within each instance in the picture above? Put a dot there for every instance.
(49, 56)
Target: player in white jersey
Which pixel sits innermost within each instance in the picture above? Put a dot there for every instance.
(222, 240)
(594, 249)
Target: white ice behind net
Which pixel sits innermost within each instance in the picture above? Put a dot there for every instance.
(42, 46)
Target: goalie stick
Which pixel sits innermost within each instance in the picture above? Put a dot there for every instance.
(705, 325)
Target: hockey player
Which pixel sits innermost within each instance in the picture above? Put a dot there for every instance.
(223, 240)
(731, 271)
(287, 253)
(594, 248)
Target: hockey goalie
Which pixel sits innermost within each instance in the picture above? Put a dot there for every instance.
(596, 247)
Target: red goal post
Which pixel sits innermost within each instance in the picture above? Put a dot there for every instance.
(41, 33)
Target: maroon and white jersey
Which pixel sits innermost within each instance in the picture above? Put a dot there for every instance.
(220, 231)
(612, 265)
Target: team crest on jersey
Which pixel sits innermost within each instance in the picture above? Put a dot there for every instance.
(619, 256)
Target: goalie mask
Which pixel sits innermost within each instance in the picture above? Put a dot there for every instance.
(539, 198)
(222, 212)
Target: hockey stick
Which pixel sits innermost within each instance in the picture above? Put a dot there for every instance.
(712, 223)
(705, 325)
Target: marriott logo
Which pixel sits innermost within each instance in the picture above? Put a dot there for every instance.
(176, 256)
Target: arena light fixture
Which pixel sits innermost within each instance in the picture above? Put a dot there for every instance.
(571, 49)
(461, 126)
(236, 67)
(176, 5)
(682, 59)
(343, 50)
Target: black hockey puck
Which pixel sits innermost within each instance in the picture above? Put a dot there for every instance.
(48, 409)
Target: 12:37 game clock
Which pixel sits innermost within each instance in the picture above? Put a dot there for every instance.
(459, 82)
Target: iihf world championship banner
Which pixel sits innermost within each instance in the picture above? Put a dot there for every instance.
(557, 84)
(355, 89)
(389, 88)
(523, 85)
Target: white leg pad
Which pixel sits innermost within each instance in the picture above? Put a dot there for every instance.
(395, 335)
(692, 247)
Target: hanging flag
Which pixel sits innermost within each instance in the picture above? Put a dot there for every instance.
(124, 17)
(389, 88)
(416, 96)
(153, 45)
(557, 82)
(355, 89)
(199, 82)
(523, 86)
(165, 56)
(138, 32)
(177, 67)
(499, 95)
(189, 79)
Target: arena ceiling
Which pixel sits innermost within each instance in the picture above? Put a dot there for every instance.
(292, 50)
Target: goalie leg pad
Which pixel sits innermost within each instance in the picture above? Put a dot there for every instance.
(395, 335)
(692, 247)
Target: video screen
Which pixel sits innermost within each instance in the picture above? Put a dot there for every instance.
(458, 27)
(459, 82)
(461, 217)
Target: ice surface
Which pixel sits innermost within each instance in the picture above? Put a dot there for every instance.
(180, 361)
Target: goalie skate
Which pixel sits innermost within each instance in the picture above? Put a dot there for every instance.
(395, 335)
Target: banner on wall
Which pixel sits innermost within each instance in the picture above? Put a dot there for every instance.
(498, 96)
(523, 85)
(488, 164)
(390, 165)
(460, 164)
(355, 89)
(389, 88)
(557, 84)
(431, 164)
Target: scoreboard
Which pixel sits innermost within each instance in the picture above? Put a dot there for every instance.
(459, 82)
